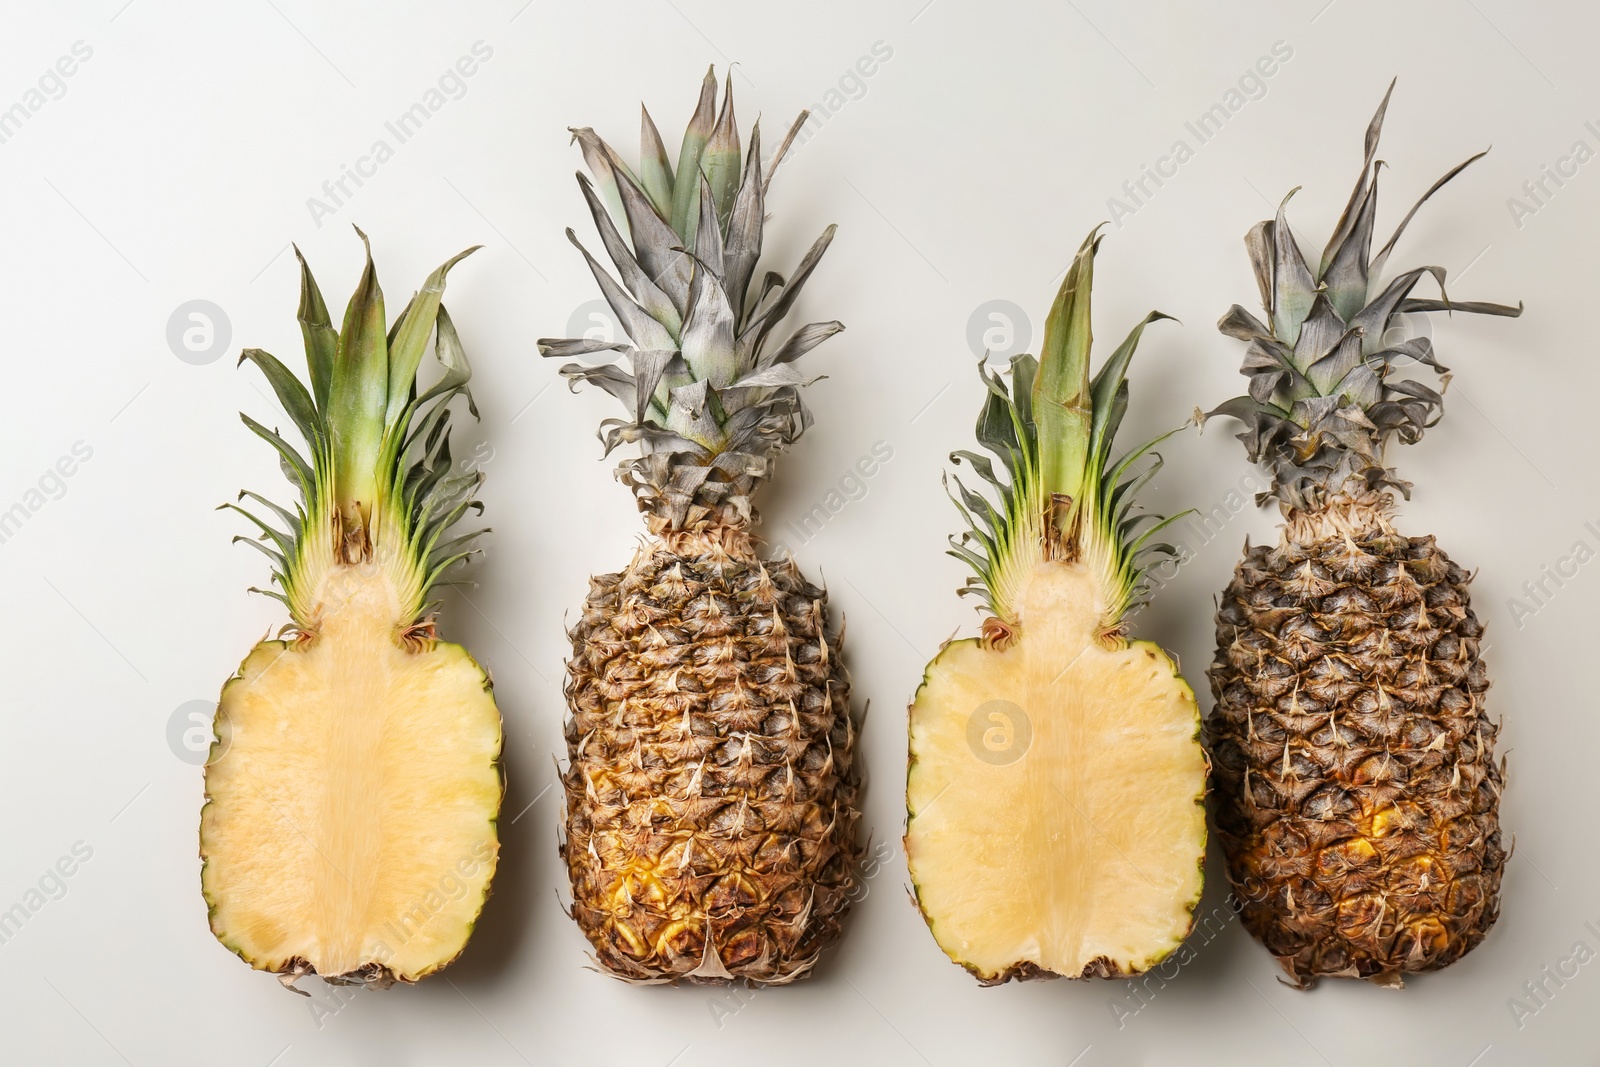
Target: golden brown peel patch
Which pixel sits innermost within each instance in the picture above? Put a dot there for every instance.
(711, 822)
(1358, 793)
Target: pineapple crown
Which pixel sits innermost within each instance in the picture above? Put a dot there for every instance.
(709, 400)
(1065, 498)
(379, 489)
(1323, 399)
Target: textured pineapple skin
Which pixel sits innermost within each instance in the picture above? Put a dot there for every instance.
(1358, 794)
(711, 785)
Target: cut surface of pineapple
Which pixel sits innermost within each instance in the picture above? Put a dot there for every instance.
(352, 798)
(1055, 796)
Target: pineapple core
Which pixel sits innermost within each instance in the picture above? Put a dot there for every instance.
(1056, 795)
(352, 793)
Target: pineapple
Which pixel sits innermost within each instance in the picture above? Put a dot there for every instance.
(1055, 796)
(711, 783)
(1357, 792)
(354, 781)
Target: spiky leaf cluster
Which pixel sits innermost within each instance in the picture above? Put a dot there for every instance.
(709, 399)
(1324, 399)
(1063, 496)
(380, 487)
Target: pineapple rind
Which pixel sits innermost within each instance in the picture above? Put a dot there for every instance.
(1380, 856)
(711, 801)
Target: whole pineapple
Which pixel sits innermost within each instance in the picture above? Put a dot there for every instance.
(1358, 795)
(710, 793)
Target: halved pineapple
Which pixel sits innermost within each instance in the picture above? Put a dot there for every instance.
(1054, 818)
(351, 797)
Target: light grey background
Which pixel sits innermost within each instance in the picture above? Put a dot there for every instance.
(176, 165)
